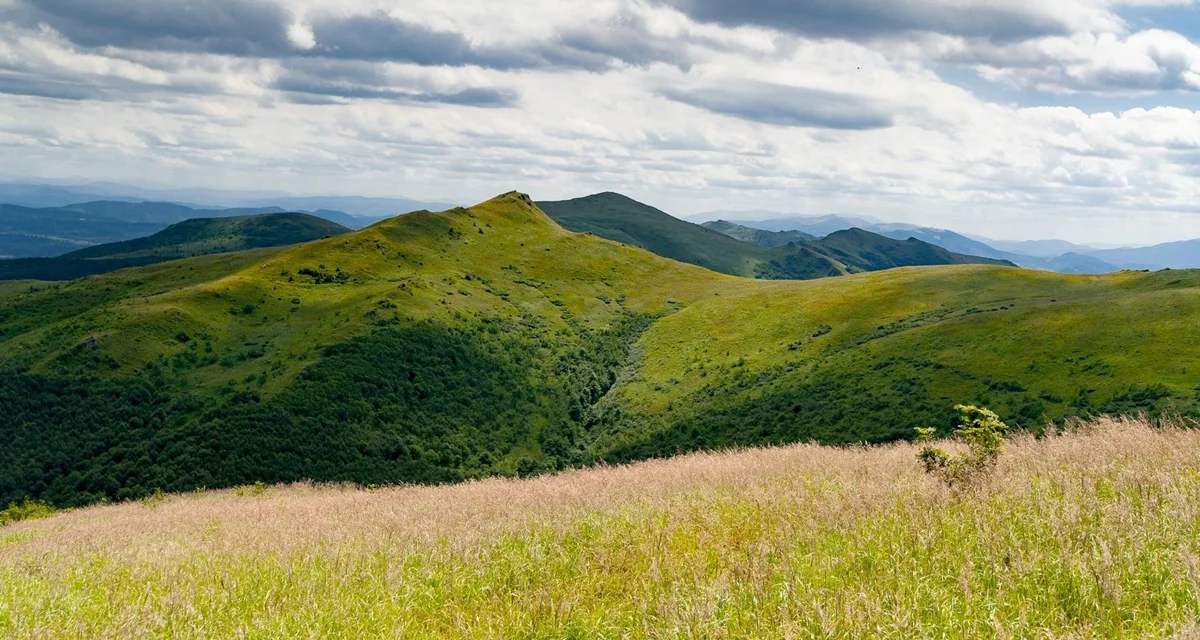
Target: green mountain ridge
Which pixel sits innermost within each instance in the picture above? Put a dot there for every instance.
(200, 236)
(436, 347)
(760, 237)
(742, 251)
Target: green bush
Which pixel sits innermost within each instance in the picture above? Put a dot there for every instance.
(25, 510)
(983, 433)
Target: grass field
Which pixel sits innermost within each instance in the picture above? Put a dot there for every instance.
(1091, 534)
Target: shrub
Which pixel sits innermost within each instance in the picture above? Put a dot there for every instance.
(25, 510)
(983, 433)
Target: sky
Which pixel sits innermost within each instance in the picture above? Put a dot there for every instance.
(1074, 119)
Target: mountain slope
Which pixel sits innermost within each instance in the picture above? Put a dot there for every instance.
(760, 237)
(622, 219)
(866, 251)
(435, 347)
(1171, 255)
(619, 218)
(26, 232)
(202, 236)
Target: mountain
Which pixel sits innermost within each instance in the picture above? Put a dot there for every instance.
(1049, 255)
(1075, 263)
(622, 219)
(1171, 255)
(1040, 248)
(370, 209)
(26, 232)
(157, 212)
(434, 347)
(51, 196)
(41, 196)
(197, 237)
(619, 218)
(760, 237)
(866, 251)
(818, 226)
(49, 232)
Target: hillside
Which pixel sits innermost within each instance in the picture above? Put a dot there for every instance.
(51, 232)
(760, 237)
(822, 226)
(616, 217)
(736, 250)
(26, 232)
(197, 237)
(437, 347)
(866, 251)
(1091, 534)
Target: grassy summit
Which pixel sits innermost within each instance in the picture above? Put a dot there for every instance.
(437, 347)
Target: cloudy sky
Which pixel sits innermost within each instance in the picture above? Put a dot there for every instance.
(1014, 118)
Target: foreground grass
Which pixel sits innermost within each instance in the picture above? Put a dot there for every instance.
(1091, 534)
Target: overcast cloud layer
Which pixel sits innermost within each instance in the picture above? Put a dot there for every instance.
(1012, 118)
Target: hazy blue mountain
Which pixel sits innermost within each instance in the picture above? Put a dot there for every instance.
(374, 209)
(27, 232)
(1077, 263)
(39, 196)
(47, 195)
(1173, 255)
(1040, 248)
(164, 213)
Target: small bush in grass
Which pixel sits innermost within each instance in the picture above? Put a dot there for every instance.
(26, 510)
(983, 433)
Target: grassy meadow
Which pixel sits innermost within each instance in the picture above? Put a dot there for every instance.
(1094, 533)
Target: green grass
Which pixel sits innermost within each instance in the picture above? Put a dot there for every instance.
(561, 349)
(1088, 535)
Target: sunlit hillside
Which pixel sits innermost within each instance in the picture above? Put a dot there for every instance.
(1092, 534)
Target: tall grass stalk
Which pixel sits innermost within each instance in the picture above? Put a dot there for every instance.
(1092, 534)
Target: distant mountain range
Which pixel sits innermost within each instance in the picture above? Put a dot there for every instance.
(46, 195)
(28, 232)
(1048, 255)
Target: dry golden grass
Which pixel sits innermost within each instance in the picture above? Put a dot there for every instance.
(1095, 533)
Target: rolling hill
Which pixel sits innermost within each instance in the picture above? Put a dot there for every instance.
(189, 238)
(435, 347)
(732, 249)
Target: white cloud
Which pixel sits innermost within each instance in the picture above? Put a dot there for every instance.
(687, 113)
